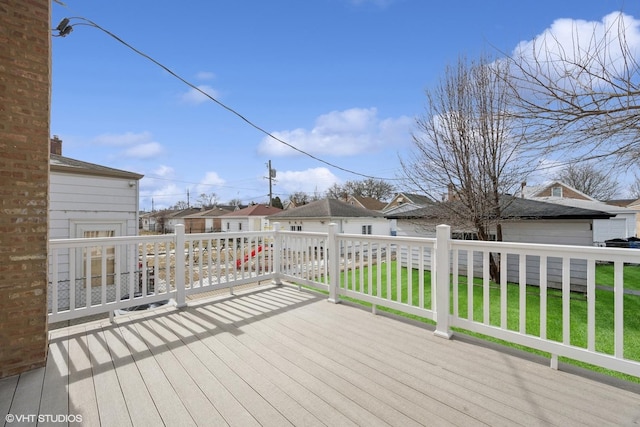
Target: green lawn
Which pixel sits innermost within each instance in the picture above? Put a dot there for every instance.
(578, 305)
(604, 276)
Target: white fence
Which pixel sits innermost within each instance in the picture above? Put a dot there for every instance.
(427, 277)
(100, 275)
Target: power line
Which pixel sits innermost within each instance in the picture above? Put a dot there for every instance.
(64, 28)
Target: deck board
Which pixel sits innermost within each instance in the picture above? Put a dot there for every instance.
(278, 356)
(82, 396)
(502, 379)
(55, 378)
(138, 400)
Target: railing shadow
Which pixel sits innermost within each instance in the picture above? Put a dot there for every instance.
(153, 329)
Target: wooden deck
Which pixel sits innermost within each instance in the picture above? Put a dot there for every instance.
(277, 356)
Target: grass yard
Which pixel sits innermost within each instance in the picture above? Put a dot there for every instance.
(604, 276)
(410, 284)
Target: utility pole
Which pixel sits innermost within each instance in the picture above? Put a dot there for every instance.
(272, 175)
(188, 204)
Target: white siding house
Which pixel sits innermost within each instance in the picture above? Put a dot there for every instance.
(251, 218)
(525, 221)
(621, 225)
(316, 217)
(88, 200)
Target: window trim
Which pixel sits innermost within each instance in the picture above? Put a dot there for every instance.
(78, 228)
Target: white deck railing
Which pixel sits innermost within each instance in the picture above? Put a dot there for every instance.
(534, 303)
(101, 275)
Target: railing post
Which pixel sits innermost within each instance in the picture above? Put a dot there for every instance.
(443, 240)
(276, 253)
(333, 259)
(180, 262)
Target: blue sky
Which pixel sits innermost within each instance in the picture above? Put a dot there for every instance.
(341, 80)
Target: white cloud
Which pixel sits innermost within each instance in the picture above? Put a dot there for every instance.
(209, 182)
(196, 97)
(341, 133)
(164, 171)
(161, 197)
(144, 151)
(580, 41)
(308, 181)
(138, 145)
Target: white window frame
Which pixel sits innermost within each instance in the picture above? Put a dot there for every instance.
(80, 227)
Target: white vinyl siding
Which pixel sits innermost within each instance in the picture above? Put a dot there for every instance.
(76, 197)
(378, 226)
(620, 227)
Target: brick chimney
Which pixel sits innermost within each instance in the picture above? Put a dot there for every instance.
(56, 145)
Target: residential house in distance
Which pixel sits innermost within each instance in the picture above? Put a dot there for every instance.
(166, 220)
(633, 204)
(367, 203)
(206, 221)
(148, 221)
(251, 218)
(524, 221)
(316, 217)
(404, 202)
(621, 225)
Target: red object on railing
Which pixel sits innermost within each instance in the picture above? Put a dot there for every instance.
(246, 257)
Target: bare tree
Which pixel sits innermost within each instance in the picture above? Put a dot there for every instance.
(235, 202)
(468, 146)
(207, 200)
(299, 198)
(337, 191)
(590, 180)
(634, 188)
(180, 205)
(581, 94)
(370, 187)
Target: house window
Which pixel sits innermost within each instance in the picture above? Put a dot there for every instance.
(366, 229)
(95, 254)
(296, 228)
(100, 260)
(239, 226)
(556, 192)
(228, 226)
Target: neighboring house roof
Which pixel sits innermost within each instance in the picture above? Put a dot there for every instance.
(211, 213)
(405, 207)
(624, 203)
(544, 190)
(518, 208)
(587, 204)
(65, 164)
(326, 208)
(407, 198)
(183, 213)
(367, 203)
(254, 210)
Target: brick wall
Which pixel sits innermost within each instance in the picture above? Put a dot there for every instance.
(24, 179)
